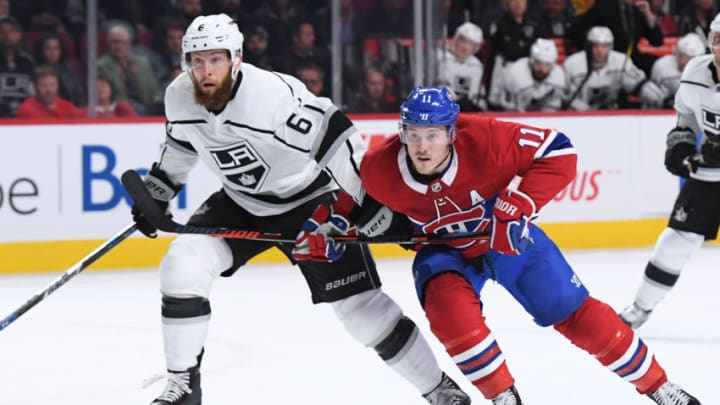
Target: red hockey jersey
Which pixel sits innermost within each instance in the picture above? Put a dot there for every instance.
(488, 154)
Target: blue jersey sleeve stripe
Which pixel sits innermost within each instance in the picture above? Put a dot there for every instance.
(559, 143)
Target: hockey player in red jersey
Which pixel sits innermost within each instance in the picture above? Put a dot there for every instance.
(450, 173)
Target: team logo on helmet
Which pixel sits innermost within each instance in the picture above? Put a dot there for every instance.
(201, 27)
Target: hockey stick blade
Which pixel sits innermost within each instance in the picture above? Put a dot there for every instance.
(152, 212)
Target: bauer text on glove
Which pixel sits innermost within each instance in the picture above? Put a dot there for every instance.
(162, 191)
(511, 222)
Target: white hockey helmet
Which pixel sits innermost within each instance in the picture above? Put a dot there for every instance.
(691, 45)
(208, 32)
(600, 34)
(471, 32)
(544, 50)
(714, 30)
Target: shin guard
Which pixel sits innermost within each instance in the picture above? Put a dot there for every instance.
(597, 329)
(456, 318)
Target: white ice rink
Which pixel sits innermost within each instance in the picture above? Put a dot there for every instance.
(97, 340)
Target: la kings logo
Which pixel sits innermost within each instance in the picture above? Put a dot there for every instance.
(711, 121)
(241, 165)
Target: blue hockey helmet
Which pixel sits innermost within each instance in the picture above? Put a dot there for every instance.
(430, 106)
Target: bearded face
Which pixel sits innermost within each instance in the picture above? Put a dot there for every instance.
(213, 98)
(211, 77)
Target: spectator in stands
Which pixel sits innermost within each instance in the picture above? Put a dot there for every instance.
(349, 23)
(629, 20)
(256, 48)
(372, 97)
(130, 74)
(461, 71)
(665, 19)
(510, 40)
(279, 17)
(49, 51)
(597, 77)
(515, 32)
(302, 51)
(107, 106)
(233, 8)
(144, 16)
(667, 70)
(555, 18)
(537, 82)
(168, 49)
(390, 18)
(46, 103)
(16, 68)
(5, 8)
(695, 16)
(185, 11)
(314, 78)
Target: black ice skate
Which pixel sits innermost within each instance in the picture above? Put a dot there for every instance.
(671, 394)
(447, 393)
(508, 397)
(183, 388)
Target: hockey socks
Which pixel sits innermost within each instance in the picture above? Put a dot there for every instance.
(456, 318)
(597, 329)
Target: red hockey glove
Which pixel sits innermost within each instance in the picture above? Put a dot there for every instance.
(511, 221)
(314, 242)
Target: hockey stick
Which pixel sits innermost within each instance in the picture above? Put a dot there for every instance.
(152, 212)
(69, 274)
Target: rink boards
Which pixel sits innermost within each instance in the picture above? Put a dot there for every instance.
(60, 194)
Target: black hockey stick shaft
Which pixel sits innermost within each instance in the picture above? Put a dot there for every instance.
(69, 274)
(152, 212)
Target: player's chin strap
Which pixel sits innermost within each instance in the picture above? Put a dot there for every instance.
(450, 152)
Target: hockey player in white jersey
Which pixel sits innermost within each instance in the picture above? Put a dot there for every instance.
(460, 70)
(535, 83)
(695, 216)
(279, 152)
(666, 70)
(598, 74)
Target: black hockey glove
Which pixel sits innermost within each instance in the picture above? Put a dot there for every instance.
(162, 191)
(680, 160)
(711, 153)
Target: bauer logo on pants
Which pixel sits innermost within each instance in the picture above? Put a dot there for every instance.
(241, 165)
(346, 280)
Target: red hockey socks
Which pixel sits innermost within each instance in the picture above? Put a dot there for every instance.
(597, 329)
(456, 318)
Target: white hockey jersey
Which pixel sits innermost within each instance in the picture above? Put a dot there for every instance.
(464, 77)
(697, 83)
(666, 74)
(523, 93)
(602, 88)
(274, 146)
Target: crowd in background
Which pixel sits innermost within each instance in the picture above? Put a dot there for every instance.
(43, 56)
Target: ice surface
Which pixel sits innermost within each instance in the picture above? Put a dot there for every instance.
(97, 339)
